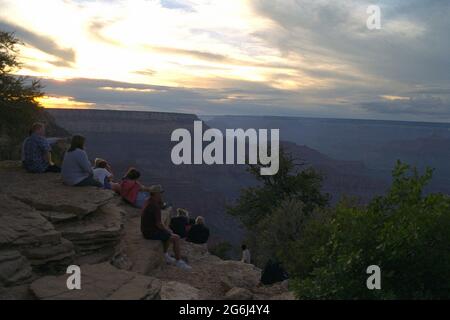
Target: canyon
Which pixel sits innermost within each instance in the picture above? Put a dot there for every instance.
(143, 140)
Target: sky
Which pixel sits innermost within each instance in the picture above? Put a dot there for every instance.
(250, 57)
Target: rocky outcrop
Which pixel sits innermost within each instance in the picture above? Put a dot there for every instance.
(99, 282)
(46, 193)
(277, 291)
(52, 225)
(96, 236)
(210, 275)
(46, 226)
(172, 290)
(137, 254)
(25, 231)
(14, 268)
(239, 294)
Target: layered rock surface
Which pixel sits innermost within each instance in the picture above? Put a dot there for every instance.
(46, 226)
(46, 193)
(28, 234)
(52, 225)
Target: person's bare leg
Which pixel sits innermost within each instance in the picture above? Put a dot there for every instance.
(166, 245)
(176, 246)
(115, 187)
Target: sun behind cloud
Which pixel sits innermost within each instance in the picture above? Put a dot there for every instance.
(63, 103)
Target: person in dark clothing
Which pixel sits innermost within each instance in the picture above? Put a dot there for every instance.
(273, 272)
(152, 227)
(199, 233)
(180, 223)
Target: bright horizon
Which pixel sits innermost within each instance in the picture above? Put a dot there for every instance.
(263, 57)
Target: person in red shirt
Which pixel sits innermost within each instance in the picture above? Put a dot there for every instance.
(152, 227)
(132, 191)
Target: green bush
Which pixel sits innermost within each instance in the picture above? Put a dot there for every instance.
(222, 250)
(405, 233)
(273, 211)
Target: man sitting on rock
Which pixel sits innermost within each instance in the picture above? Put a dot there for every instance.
(180, 223)
(36, 157)
(199, 233)
(152, 227)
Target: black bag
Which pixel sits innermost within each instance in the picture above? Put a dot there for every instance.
(273, 272)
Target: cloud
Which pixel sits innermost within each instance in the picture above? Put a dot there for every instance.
(291, 57)
(96, 27)
(236, 97)
(430, 107)
(411, 47)
(65, 57)
(215, 57)
(177, 5)
(407, 57)
(241, 96)
(145, 72)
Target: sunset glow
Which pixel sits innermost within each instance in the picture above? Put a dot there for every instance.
(62, 102)
(292, 57)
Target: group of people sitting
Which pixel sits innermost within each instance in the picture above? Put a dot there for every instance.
(193, 230)
(77, 170)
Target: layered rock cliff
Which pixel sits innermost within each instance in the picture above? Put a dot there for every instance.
(46, 226)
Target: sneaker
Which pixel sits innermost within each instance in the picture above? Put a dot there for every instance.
(183, 265)
(169, 259)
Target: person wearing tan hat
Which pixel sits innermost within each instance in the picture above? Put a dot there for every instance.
(152, 227)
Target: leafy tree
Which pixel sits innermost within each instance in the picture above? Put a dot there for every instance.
(255, 203)
(18, 105)
(273, 212)
(14, 89)
(406, 233)
(291, 234)
(222, 250)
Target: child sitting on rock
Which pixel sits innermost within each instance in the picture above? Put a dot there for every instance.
(103, 174)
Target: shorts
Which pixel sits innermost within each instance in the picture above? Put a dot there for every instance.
(107, 184)
(162, 235)
(141, 198)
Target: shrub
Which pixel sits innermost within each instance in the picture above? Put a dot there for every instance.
(405, 233)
